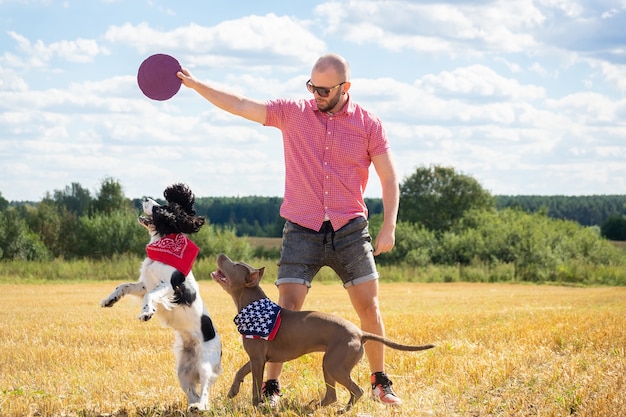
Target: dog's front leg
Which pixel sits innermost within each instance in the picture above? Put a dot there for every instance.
(132, 288)
(257, 366)
(162, 293)
(238, 379)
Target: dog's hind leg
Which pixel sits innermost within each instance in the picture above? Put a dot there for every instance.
(356, 391)
(331, 392)
(207, 378)
(211, 358)
(338, 364)
(131, 288)
(210, 368)
(343, 378)
(187, 350)
(203, 397)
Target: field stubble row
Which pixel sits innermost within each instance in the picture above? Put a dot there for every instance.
(502, 350)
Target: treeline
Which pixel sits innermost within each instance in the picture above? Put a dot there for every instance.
(254, 215)
(586, 210)
(259, 216)
(72, 223)
(445, 219)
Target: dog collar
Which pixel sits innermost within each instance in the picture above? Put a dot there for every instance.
(259, 320)
(175, 250)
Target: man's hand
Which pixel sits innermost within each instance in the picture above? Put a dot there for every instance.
(385, 240)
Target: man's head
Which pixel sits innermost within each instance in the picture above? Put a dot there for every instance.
(329, 83)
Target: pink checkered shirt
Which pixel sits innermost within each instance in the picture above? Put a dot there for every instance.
(327, 160)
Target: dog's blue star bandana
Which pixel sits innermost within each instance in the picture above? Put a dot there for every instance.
(259, 320)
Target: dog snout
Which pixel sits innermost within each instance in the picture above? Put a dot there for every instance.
(148, 204)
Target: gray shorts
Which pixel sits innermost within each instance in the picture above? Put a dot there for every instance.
(348, 251)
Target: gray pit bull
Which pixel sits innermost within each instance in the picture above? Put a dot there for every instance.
(298, 333)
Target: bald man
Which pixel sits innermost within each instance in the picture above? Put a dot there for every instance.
(329, 144)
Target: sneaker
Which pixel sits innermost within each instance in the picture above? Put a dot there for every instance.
(381, 389)
(271, 392)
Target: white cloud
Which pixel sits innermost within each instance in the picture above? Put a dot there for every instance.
(570, 8)
(479, 81)
(239, 39)
(435, 27)
(586, 107)
(38, 53)
(11, 81)
(613, 74)
(538, 69)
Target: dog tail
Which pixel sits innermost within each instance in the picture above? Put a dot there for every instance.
(394, 345)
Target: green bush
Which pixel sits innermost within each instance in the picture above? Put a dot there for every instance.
(213, 240)
(17, 241)
(540, 248)
(106, 235)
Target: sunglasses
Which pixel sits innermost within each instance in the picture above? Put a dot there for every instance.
(323, 92)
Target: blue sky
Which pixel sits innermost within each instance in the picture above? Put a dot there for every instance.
(526, 96)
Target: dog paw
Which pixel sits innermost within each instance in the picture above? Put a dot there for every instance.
(108, 302)
(234, 390)
(145, 316)
(196, 407)
(147, 312)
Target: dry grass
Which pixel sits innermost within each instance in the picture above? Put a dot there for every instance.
(265, 242)
(619, 244)
(502, 350)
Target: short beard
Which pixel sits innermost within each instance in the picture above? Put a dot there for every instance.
(331, 104)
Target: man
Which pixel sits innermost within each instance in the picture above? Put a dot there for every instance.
(329, 144)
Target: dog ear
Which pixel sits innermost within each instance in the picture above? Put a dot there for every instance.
(254, 277)
(164, 220)
(182, 195)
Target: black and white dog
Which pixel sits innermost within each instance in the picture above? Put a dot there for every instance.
(170, 291)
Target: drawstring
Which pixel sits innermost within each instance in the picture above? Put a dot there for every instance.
(327, 225)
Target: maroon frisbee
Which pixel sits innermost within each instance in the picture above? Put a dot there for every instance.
(157, 77)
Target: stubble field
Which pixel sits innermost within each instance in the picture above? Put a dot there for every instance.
(502, 350)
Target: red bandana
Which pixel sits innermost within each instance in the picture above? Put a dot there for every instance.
(175, 250)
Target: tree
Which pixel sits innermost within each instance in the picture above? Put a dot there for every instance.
(437, 197)
(110, 198)
(17, 241)
(614, 228)
(55, 225)
(4, 203)
(74, 198)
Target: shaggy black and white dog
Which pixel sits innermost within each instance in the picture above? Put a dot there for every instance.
(170, 291)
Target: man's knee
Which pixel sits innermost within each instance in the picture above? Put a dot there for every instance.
(371, 319)
(291, 296)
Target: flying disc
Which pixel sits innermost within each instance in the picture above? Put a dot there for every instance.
(157, 77)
